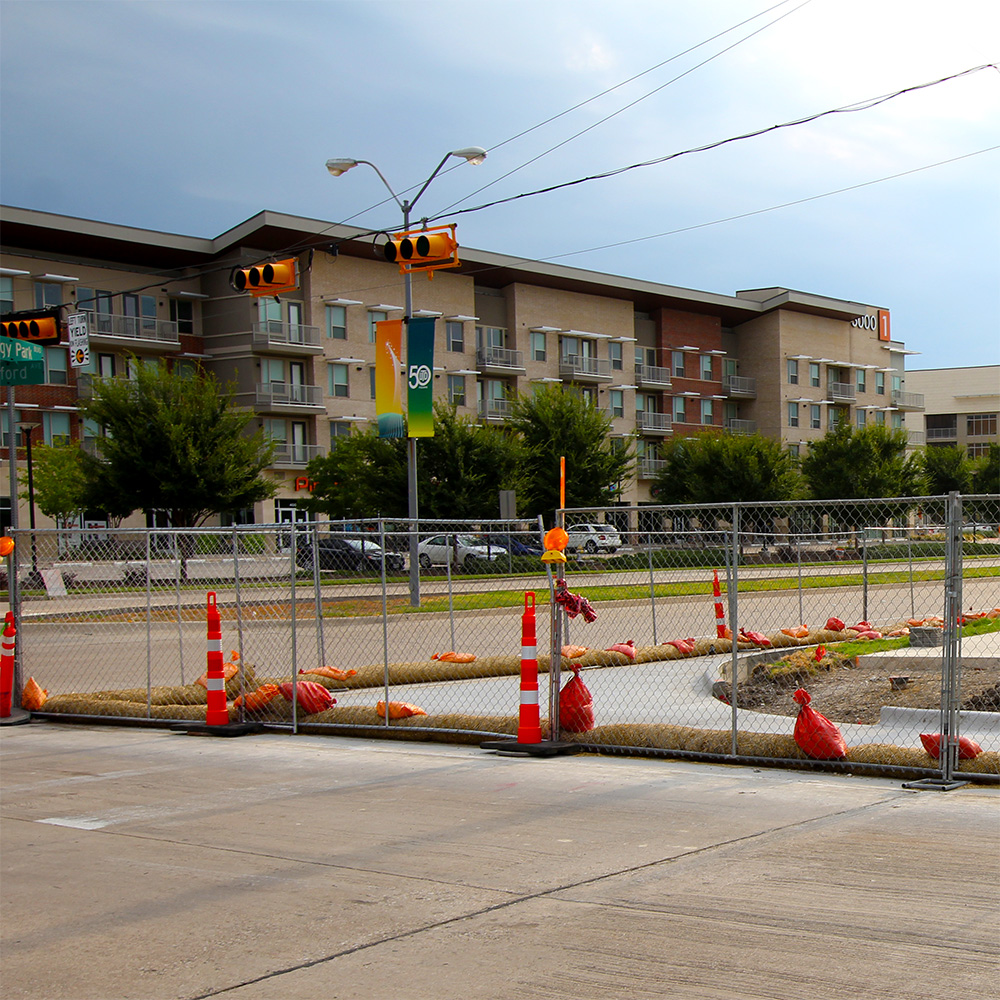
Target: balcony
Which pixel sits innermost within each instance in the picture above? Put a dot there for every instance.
(907, 400)
(739, 387)
(293, 456)
(648, 422)
(735, 426)
(942, 433)
(577, 368)
(275, 337)
(494, 409)
(651, 377)
(500, 361)
(840, 392)
(650, 468)
(145, 331)
(280, 397)
(914, 439)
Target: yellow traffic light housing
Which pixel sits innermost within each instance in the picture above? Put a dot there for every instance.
(38, 327)
(423, 249)
(267, 279)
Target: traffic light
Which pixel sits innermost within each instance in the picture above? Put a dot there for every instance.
(40, 326)
(266, 279)
(423, 249)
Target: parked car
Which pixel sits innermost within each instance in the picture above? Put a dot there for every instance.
(518, 545)
(460, 550)
(337, 552)
(593, 538)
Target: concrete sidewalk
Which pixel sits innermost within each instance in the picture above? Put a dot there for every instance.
(148, 864)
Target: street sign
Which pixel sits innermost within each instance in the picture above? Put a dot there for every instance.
(79, 340)
(21, 362)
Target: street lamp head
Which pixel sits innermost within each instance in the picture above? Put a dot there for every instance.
(340, 165)
(471, 154)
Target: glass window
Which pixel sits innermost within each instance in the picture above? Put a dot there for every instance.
(677, 362)
(814, 374)
(833, 418)
(56, 360)
(680, 415)
(706, 411)
(815, 417)
(147, 305)
(48, 294)
(861, 380)
(338, 380)
(268, 312)
(56, 428)
(375, 316)
(793, 450)
(336, 322)
(880, 417)
(454, 333)
(272, 370)
(706, 367)
(615, 354)
(897, 420)
(617, 403)
(897, 383)
(456, 390)
(6, 294)
(371, 381)
(793, 414)
(276, 430)
(182, 313)
(981, 424)
(862, 416)
(793, 372)
(880, 383)
(339, 429)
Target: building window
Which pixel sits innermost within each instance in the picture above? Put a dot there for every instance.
(617, 403)
(880, 417)
(56, 359)
(339, 429)
(6, 294)
(793, 414)
(454, 335)
(981, 424)
(880, 383)
(793, 372)
(677, 362)
(371, 381)
(338, 380)
(615, 354)
(815, 418)
(680, 416)
(833, 418)
(276, 431)
(793, 450)
(862, 415)
(375, 316)
(897, 421)
(977, 450)
(456, 390)
(48, 294)
(706, 367)
(538, 352)
(56, 428)
(336, 322)
(706, 411)
(897, 383)
(814, 374)
(182, 313)
(861, 380)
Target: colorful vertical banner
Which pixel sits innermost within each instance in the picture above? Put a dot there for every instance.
(420, 376)
(388, 394)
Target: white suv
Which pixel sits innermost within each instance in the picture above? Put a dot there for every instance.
(593, 538)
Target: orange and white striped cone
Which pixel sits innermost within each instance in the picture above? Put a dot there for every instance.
(216, 713)
(720, 614)
(7, 666)
(529, 729)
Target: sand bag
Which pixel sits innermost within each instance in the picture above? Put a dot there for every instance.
(815, 734)
(576, 705)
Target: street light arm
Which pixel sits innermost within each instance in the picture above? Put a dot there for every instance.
(437, 170)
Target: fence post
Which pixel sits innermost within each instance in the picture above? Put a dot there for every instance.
(149, 630)
(864, 577)
(293, 554)
(652, 591)
(732, 593)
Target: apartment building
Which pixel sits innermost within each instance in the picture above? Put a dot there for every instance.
(658, 359)
(962, 406)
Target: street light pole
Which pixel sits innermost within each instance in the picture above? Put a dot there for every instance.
(34, 578)
(471, 154)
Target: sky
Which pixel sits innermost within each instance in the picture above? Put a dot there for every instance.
(192, 117)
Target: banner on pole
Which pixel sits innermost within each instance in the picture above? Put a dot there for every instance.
(388, 395)
(420, 376)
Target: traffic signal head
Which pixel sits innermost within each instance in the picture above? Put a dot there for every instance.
(39, 328)
(266, 279)
(423, 250)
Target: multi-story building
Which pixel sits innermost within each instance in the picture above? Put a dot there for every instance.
(658, 359)
(962, 406)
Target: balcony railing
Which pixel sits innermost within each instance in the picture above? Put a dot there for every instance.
(739, 385)
(494, 409)
(914, 439)
(650, 468)
(907, 400)
(942, 433)
(653, 423)
(840, 392)
(576, 366)
(282, 394)
(276, 334)
(111, 326)
(651, 375)
(294, 455)
(736, 426)
(500, 357)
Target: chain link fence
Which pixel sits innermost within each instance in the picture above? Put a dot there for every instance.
(708, 621)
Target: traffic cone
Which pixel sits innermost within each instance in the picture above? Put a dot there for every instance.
(720, 614)
(216, 713)
(7, 666)
(529, 728)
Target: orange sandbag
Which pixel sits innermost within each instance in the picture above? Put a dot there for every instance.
(334, 673)
(799, 632)
(312, 697)
(870, 634)
(576, 705)
(820, 653)
(915, 622)
(33, 696)
(757, 638)
(815, 734)
(572, 652)
(685, 646)
(256, 700)
(967, 749)
(399, 710)
(453, 657)
(229, 671)
(628, 648)
(835, 625)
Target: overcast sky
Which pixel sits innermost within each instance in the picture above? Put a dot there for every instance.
(191, 117)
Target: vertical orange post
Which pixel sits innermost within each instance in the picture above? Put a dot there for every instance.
(529, 724)
(216, 713)
(7, 666)
(562, 482)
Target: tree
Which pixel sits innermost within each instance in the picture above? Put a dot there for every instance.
(59, 481)
(555, 423)
(946, 469)
(986, 471)
(173, 442)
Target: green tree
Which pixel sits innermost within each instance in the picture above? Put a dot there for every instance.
(946, 469)
(554, 423)
(986, 471)
(59, 482)
(173, 442)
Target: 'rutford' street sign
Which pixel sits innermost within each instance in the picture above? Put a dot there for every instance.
(21, 362)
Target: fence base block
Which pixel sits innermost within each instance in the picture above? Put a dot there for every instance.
(547, 748)
(232, 729)
(934, 785)
(17, 717)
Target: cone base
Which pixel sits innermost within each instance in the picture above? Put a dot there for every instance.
(546, 748)
(230, 729)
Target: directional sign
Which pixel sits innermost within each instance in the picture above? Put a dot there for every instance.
(21, 362)
(79, 340)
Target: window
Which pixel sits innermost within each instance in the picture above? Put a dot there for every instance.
(880, 383)
(6, 294)
(861, 380)
(56, 428)
(48, 294)
(793, 372)
(272, 370)
(815, 417)
(981, 424)
(897, 421)
(897, 383)
(977, 450)
(793, 450)
(706, 367)
(706, 411)
(371, 381)
(617, 403)
(615, 354)
(833, 416)
(339, 429)
(680, 416)
(454, 334)
(677, 363)
(456, 390)
(538, 350)
(182, 313)
(106, 365)
(336, 322)
(56, 359)
(338, 380)
(90, 429)
(793, 414)
(268, 312)
(375, 316)
(880, 417)
(862, 416)
(276, 431)
(814, 374)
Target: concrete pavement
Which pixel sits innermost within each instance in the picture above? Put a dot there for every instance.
(148, 864)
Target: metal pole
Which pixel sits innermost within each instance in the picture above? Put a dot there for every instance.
(149, 633)
(951, 653)
(732, 592)
(909, 552)
(13, 585)
(452, 547)
(318, 598)
(239, 622)
(864, 577)
(798, 553)
(652, 591)
(180, 617)
(293, 551)
(412, 503)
